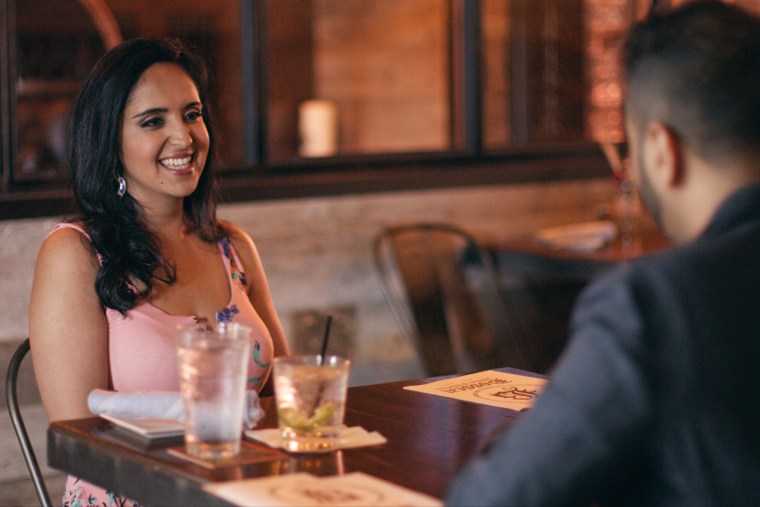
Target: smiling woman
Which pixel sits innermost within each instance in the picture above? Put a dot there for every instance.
(145, 252)
(164, 139)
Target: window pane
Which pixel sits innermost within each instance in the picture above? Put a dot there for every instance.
(551, 70)
(496, 58)
(382, 64)
(54, 57)
(532, 72)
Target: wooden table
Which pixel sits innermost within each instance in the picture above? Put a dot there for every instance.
(542, 283)
(527, 255)
(429, 437)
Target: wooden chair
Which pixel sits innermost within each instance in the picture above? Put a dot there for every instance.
(18, 424)
(441, 287)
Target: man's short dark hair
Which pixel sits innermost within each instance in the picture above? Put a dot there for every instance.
(696, 69)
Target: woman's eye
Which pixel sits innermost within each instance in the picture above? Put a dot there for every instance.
(193, 116)
(151, 122)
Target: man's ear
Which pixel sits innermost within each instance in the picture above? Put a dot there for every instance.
(665, 157)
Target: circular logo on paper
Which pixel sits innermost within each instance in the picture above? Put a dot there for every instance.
(510, 394)
(324, 494)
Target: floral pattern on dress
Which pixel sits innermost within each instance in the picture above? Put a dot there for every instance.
(77, 496)
(256, 352)
(227, 313)
(237, 274)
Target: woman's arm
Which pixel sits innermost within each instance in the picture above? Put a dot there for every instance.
(67, 326)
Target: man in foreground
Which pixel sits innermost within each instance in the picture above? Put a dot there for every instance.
(656, 401)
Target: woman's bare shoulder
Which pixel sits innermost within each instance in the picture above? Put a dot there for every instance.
(240, 238)
(68, 245)
(243, 245)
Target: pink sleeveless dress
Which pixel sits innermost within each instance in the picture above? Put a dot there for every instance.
(142, 354)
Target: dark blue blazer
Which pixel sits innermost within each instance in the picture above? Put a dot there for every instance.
(656, 400)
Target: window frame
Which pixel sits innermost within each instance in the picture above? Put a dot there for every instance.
(467, 164)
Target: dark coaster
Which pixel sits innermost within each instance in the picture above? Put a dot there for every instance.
(249, 453)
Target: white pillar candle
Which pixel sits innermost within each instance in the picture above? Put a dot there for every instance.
(318, 128)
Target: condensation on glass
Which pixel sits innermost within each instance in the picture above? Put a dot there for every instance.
(58, 41)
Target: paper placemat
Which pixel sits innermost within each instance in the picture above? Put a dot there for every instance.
(349, 438)
(250, 452)
(356, 489)
(491, 387)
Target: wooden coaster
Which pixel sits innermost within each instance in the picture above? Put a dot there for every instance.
(249, 453)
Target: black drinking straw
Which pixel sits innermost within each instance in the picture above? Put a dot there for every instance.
(322, 351)
(325, 339)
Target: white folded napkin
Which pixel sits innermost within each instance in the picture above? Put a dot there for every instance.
(158, 404)
(348, 438)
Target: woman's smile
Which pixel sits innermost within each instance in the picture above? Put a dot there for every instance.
(178, 164)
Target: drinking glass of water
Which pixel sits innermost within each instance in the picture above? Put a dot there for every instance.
(212, 368)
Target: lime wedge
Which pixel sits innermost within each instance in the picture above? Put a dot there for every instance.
(323, 413)
(296, 420)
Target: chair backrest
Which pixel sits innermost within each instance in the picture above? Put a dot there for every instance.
(19, 427)
(441, 287)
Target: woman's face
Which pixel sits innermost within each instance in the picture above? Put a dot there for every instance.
(164, 141)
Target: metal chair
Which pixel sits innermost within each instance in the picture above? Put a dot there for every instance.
(441, 287)
(18, 424)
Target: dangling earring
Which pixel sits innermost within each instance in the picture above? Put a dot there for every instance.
(122, 186)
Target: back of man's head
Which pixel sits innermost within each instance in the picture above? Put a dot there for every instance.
(696, 69)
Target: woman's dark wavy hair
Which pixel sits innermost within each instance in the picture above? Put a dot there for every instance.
(129, 252)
